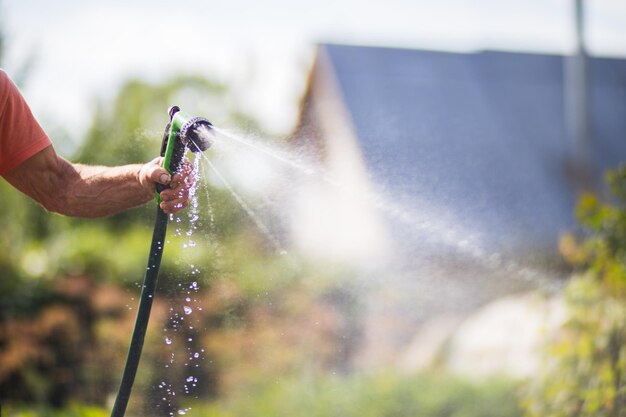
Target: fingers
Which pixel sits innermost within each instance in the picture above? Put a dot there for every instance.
(172, 208)
(176, 197)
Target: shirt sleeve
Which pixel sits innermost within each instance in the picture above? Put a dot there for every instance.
(20, 135)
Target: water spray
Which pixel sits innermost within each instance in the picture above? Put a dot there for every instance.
(181, 133)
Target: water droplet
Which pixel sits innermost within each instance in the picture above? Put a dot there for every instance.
(187, 309)
(196, 355)
(168, 341)
(182, 412)
(188, 299)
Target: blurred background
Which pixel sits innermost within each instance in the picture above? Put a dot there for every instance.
(406, 211)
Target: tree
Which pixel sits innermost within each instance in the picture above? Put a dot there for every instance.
(585, 373)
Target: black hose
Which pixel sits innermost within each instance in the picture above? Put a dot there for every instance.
(152, 273)
(143, 314)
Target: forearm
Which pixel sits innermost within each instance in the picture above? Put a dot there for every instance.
(96, 191)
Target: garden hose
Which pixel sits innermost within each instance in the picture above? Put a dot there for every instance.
(181, 132)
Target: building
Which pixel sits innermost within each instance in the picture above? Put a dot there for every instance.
(454, 174)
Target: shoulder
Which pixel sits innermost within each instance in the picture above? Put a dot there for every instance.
(21, 136)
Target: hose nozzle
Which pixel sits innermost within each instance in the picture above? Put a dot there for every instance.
(196, 133)
(184, 132)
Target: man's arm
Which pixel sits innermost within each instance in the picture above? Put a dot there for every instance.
(94, 191)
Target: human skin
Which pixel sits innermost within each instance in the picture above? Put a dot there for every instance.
(79, 190)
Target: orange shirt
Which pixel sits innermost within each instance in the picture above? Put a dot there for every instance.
(20, 135)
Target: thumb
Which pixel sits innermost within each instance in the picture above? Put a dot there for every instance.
(160, 175)
(153, 173)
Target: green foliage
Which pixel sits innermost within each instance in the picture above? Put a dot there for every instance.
(43, 256)
(586, 360)
(75, 410)
(377, 395)
(131, 129)
(24, 225)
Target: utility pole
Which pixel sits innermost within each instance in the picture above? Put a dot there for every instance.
(577, 100)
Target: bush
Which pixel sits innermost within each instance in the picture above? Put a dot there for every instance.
(379, 395)
(74, 410)
(586, 360)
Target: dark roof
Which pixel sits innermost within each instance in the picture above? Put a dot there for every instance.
(480, 136)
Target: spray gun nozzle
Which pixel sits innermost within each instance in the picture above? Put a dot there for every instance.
(181, 133)
(197, 134)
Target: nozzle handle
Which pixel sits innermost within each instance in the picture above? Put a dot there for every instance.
(172, 149)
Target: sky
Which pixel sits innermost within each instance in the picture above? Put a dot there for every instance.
(82, 51)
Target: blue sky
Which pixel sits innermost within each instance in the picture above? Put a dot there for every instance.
(84, 50)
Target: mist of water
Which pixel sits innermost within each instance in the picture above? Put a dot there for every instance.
(261, 226)
(288, 168)
(427, 222)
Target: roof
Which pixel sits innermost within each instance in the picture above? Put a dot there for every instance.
(477, 138)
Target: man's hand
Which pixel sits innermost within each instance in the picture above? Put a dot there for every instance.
(174, 198)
